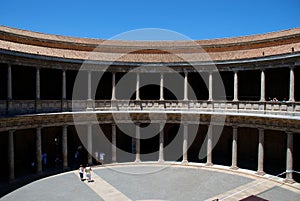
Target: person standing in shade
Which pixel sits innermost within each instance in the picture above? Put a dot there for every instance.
(101, 157)
(81, 172)
(88, 171)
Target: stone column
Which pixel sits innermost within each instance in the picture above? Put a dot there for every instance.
(11, 155)
(161, 86)
(138, 136)
(89, 85)
(261, 141)
(185, 144)
(185, 86)
(137, 87)
(90, 143)
(210, 87)
(9, 83)
(114, 143)
(289, 158)
(39, 167)
(236, 89)
(234, 148)
(64, 85)
(113, 93)
(37, 85)
(209, 146)
(292, 85)
(161, 144)
(65, 146)
(262, 86)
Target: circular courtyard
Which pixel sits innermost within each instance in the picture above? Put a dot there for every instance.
(167, 181)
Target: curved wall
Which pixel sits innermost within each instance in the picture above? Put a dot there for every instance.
(38, 72)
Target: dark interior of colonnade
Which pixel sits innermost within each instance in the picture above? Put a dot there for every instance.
(4, 156)
(198, 83)
(79, 88)
(23, 83)
(70, 80)
(222, 151)
(277, 83)
(274, 152)
(247, 148)
(126, 144)
(197, 149)
(104, 85)
(51, 84)
(249, 85)
(3, 81)
(275, 145)
(171, 132)
(296, 156)
(25, 152)
(125, 86)
(227, 79)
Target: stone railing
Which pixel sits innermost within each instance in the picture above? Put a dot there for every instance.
(14, 107)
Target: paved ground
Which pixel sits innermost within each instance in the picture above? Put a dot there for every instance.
(154, 182)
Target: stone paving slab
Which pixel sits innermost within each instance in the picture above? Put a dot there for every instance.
(63, 187)
(152, 182)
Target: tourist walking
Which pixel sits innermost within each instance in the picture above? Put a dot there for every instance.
(88, 171)
(81, 172)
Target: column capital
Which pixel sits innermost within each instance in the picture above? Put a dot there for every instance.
(235, 126)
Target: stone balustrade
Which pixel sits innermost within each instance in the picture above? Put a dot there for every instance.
(15, 107)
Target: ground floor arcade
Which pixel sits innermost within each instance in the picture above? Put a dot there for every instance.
(261, 150)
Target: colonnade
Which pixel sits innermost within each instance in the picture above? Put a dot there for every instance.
(209, 148)
(185, 93)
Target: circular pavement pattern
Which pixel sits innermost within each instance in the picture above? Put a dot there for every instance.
(151, 182)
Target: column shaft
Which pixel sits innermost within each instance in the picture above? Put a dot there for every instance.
(89, 143)
(39, 166)
(261, 141)
(89, 85)
(185, 86)
(37, 84)
(9, 83)
(210, 87)
(65, 146)
(64, 85)
(185, 144)
(262, 86)
(289, 157)
(114, 143)
(137, 93)
(161, 86)
(113, 93)
(292, 85)
(161, 144)
(11, 155)
(138, 136)
(235, 98)
(234, 148)
(209, 146)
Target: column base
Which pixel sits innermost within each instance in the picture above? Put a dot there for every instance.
(161, 161)
(234, 167)
(288, 180)
(261, 173)
(209, 164)
(184, 162)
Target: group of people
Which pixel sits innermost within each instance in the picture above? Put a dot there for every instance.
(275, 99)
(88, 173)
